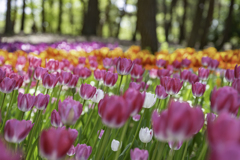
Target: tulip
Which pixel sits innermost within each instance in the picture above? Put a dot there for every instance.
(211, 117)
(172, 85)
(49, 81)
(228, 151)
(101, 134)
(83, 72)
(203, 73)
(198, 89)
(115, 145)
(137, 71)
(18, 79)
(98, 96)
(124, 66)
(229, 75)
(7, 69)
(138, 154)
(92, 58)
(65, 78)
(176, 75)
(145, 135)
(55, 143)
(34, 62)
(52, 65)
(175, 145)
(186, 62)
(21, 61)
(161, 63)
(56, 119)
(69, 111)
(93, 65)
(16, 131)
(153, 73)
(25, 102)
(177, 123)
(150, 100)
(82, 152)
(2, 74)
(82, 61)
(236, 85)
(144, 86)
(112, 69)
(137, 61)
(110, 79)
(193, 78)
(99, 74)
(7, 154)
(160, 92)
(41, 101)
(71, 151)
(135, 86)
(1, 60)
(7, 85)
(136, 117)
(107, 62)
(213, 64)
(224, 99)
(135, 100)
(73, 82)
(184, 75)
(176, 64)
(39, 72)
(114, 111)
(73, 132)
(163, 72)
(205, 61)
(237, 71)
(87, 91)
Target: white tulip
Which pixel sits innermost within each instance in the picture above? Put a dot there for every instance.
(115, 145)
(150, 100)
(145, 135)
(98, 96)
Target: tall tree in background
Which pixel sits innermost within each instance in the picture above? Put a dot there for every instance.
(71, 15)
(91, 19)
(43, 17)
(182, 24)
(14, 15)
(59, 29)
(168, 25)
(8, 24)
(122, 13)
(146, 15)
(228, 21)
(196, 24)
(34, 27)
(208, 23)
(23, 16)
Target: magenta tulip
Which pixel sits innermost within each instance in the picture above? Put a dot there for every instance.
(229, 75)
(83, 72)
(18, 79)
(107, 62)
(236, 85)
(198, 89)
(39, 72)
(65, 77)
(41, 101)
(82, 61)
(186, 62)
(172, 85)
(160, 92)
(56, 119)
(49, 81)
(135, 86)
(237, 71)
(163, 72)
(193, 78)
(124, 66)
(99, 74)
(138, 154)
(87, 91)
(82, 152)
(25, 102)
(73, 82)
(34, 62)
(161, 63)
(52, 65)
(137, 71)
(153, 73)
(110, 79)
(203, 73)
(213, 64)
(7, 85)
(176, 64)
(184, 75)
(71, 151)
(205, 61)
(2, 74)
(7, 154)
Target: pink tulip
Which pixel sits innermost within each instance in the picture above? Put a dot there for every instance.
(34, 62)
(52, 65)
(93, 65)
(41, 101)
(205, 61)
(193, 78)
(56, 119)
(184, 76)
(87, 91)
(49, 81)
(135, 86)
(124, 66)
(229, 75)
(175, 145)
(83, 72)
(2, 74)
(198, 89)
(176, 64)
(138, 154)
(99, 74)
(82, 61)
(25, 102)
(172, 85)
(161, 63)
(236, 85)
(186, 62)
(213, 64)
(39, 72)
(137, 71)
(18, 79)
(6, 154)
(160, 92)
(7, 85)
(137, 61)
(107, 62)
(71, 151)
(153, 73)
(82, 152)
(110, 79)
(203, 73)
(101, 134)
(237, 71)
(73, 82)
(163, 73)
(65, 77)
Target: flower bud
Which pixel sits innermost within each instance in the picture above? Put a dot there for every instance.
(136, 117)
(137, 61)
(101, 134)
(145, 135)
(150, 100)
(115, 145)
(153, 73)
(175, 145)
(41, 101)
(25, 102)
(56, 119)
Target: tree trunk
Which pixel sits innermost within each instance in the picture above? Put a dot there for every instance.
(228, 22)
(91, 19)
(51, 2)
(8, 24)
(196, 24)
(14, 15)
(59, 30)
(165, 19)
(146, 15)
(182, 25)
(34, 27)
(208, 23)
(43, 17)
(169, 23)
(122, 13)
(71, 16)
(23, 16)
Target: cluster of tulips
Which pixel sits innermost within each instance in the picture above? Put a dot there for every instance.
(123, 111)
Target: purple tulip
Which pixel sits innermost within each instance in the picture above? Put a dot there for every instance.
(203, 73)
(184, 75)
(71, 151)
(124, 66)
(82, 151)
(176, 64)
(213, 64)
(16, 131)
(137, 71)
(160, 92)
(99, 74)
(83, 72)
(49, 81)
(138, 154)
(107, 62)
(2, 74)
(236, 85)
(7, 85)
(65, 78)
(69, 111)
(175, 145)
(161, 63)
(193, 78)
(198, 89)
(229, 75)
(25, 102)
(7, 154)
(39, 72)
(163, 72)
(87, 91)
(56, 119)
(82, 61)
(135, 86)
(73, 82)
(41, 101)
(52, 65)
(110, 79)
(172, 85)
(186, 62)
(18, 79)
(205, 61)
(34, 62)
(237, 71)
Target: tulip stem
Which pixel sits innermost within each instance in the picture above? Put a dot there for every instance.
(36, 87)
(4, 97)
(90, 116)
(159, 156)
(93, 130)
(185, 150)
(29, 84)
(119, 87)
(155, 150)
(196, 101)
(9, 108)
(170, 155)
(23, 115)
(204, 148)
(56, 107)
(159, 104)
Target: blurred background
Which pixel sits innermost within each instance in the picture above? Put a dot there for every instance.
(155, 24)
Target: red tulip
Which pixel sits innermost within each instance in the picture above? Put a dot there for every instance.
(124, 66)
(99, 74)
(55, 143)
(110, 79)
(16, 131)
(198, 89)
(137, 71)
(83, 72)
(41, 101)
(49, 81)
(160, 92)
(203, 73)
(107, 62)
(39, 72)
(229, 75)
(7, 85)
(161, 63)
(87, 91)
(65, 78)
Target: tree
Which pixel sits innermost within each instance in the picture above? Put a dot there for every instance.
(182, 25)
(228, 21)
(146, 16)
(8, 24)
(23, 16)
(122, 13)
(196, 24)
(91, 19)
(59, 30)
(43, 17)
(14, 15)
(34, 27)
(208, 23)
